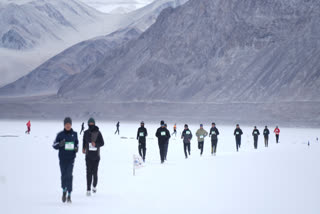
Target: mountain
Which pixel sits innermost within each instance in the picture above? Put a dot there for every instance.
(48, 77)
(25, 24)
(251, 51)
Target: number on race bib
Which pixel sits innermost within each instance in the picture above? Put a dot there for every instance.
(201, 136)
(187, 132)
(69, 146)
(141, 134)
(255, 133)
(237, 133)
(92, 148)
(213, 133)
(163, 133)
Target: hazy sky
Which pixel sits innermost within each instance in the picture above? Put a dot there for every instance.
(119, 5)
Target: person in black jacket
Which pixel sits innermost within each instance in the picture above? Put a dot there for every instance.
(118, 125)
(141, 137)
(266, 133)
(214, 132)
(237, 133)
(163, 136)
(186, 136)
(67, 144)
(255, 134)
(92, 142)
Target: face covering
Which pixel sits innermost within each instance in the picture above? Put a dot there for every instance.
(91, 127)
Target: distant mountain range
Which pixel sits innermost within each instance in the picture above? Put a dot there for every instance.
(48, 77)
(215, 51)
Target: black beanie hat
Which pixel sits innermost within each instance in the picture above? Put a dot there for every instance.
(162, 123)
(67, 120)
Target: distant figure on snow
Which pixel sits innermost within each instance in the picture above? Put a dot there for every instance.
(186, 136)
(214, 132)
(174, 130)
(277, 132)
(141, 137)
(28, 127)
(82, 128)
(201, 134)
(117, 131)
(163, 136)
(266, 133)
(255, 135)
(237, 133)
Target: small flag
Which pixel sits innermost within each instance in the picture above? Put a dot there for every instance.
(137, 163)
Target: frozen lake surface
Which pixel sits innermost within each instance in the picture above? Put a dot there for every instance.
(284, 178)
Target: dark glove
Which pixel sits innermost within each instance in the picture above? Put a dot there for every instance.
(76, 149)
(62, 143)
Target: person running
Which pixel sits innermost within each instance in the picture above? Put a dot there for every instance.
(141, 137)
(266, 133)
(277, 132)
(118, 125)
(186, 136)
(237, 133)
(214, 132)
(163, 136)
(166, 146)
(28, 127)
(201, 134)
(82, 128)
(255, 134)
(92, 142)
(67, 144)
(175, 130)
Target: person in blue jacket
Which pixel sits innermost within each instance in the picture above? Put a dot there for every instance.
(67, 144)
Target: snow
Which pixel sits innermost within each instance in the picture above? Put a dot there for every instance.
(283, 178)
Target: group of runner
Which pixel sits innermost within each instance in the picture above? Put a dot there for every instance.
(68, 145)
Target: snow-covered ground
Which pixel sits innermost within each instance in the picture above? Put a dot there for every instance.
(283, 178)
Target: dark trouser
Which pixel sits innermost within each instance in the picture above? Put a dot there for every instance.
(28, 131)
(162, 151)
(277, 138)
(66, 168)
(81, 131)
(186, 147)
(214, 144)
(166, 145)
(174, 133)
(200, 146)
(255, 139)
(238, 142)
(117, 131)
(142, 150)
(92, 172)
(266, 141)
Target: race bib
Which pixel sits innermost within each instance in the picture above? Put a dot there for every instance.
(69, 146)
(141, 134)
(255, 132)
(187, 132)
(237, 133)
(213, 132)
(92, 148)
(201, 136)
(163, 133)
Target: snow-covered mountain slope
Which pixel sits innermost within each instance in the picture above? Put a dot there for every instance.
(216, 51)
(117, 6)
(25, 24)
(46, 78)
(49, 77)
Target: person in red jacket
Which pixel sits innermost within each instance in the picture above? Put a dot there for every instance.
(29, 127)
(277, 132)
